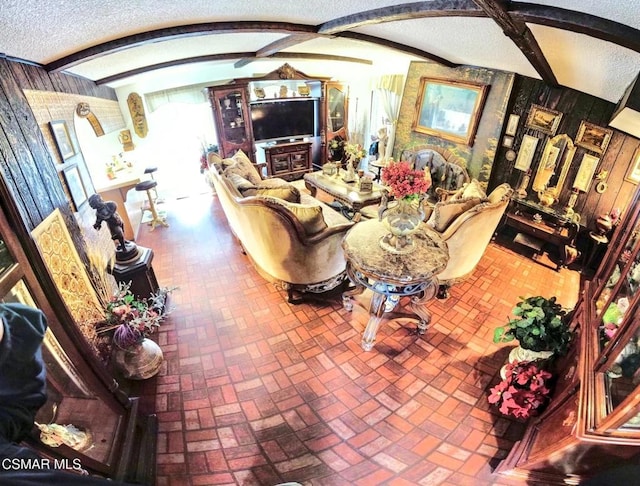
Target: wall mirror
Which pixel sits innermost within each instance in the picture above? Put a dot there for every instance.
(554, 166)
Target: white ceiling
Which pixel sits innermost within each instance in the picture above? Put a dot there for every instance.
(45, 32)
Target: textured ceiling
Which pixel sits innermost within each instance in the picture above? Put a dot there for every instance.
(589, 45)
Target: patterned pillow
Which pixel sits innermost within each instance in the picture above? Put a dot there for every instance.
(310, 217)
(471, 189)
(445, 212)
(244, 168)
(240, 183)
(287, 192)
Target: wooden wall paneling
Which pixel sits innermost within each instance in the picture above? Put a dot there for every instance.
(16, 153)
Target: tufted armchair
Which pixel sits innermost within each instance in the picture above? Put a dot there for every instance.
(467, 224)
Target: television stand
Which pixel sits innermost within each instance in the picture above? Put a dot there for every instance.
(288, 161)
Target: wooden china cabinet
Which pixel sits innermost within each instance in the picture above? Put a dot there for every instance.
(117, 440)
(593, 422)
(233, 122)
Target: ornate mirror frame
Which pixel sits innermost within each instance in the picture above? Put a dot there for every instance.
(558, 154)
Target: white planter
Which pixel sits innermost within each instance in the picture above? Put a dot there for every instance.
(520, 354)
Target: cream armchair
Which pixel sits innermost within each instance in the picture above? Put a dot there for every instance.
(467, 225)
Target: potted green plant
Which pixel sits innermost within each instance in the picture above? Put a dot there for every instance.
(539, 326)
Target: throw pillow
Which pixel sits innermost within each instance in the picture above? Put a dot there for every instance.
(470, 189)
(309, 216)
(445, 212)
(288, 192)
(245, 163)
(243, 167)
(240, 182)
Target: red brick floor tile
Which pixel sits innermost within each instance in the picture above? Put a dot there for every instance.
(255, 390)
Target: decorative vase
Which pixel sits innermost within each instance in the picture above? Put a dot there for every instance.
(140, 361)
(604, 223)
(402, 220)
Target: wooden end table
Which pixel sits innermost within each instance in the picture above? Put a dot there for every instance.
(392, 276)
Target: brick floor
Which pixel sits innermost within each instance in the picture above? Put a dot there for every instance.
(255, 391)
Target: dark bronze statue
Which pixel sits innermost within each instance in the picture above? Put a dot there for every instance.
(108, 212)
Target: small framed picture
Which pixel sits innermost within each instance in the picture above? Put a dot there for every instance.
(526, 152)
(585, 172)
(633, 175)
(75, 186)
(507, 141)
(512, 125)
(593, 137)
(63, 140)
(543, 119)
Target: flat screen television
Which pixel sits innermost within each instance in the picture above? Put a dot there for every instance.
(284, 119)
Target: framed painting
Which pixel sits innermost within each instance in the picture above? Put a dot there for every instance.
(63, 140)
(449, 109)
(507, 141)
(75, 186)
(512, 125)
(526, 152)
(593, 137)
(543, 119)
(585, 172)
(633, 175)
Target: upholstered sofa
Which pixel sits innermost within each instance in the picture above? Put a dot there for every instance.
(291, 238)
(448, 171)
(467, 220)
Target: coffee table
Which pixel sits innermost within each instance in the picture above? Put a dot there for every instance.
(346, 193)
(392, 276)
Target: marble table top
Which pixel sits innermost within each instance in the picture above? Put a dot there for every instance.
(364, 253)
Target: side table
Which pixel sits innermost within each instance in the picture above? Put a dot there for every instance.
(392, 276)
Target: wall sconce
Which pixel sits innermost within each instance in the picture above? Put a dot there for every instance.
(626, 116)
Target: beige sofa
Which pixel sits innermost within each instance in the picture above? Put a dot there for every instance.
(296, 245)
(467, 222)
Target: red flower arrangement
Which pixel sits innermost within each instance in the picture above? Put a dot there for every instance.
(404, 182)
(524, 390)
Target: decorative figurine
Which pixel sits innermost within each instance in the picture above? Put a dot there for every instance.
(108, 212)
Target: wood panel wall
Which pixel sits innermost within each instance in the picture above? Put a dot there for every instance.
(32, 188)
(575, 107)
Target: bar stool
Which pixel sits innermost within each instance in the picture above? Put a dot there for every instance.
(150, 170)
(156, 219)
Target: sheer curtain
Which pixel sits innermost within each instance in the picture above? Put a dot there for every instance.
(389, 90)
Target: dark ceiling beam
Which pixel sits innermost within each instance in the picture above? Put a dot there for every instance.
(582, 23)
(407, 11)
(521, 36)
(174, 33)
(228, 56)
(277, 46)
(412, 51)
(175, 62)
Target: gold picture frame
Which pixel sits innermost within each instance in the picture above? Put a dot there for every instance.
(449, 109)
(633, 175)
(593, 137)
(543, 119)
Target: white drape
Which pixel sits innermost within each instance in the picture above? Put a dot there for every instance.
(187, 94)
(389, 89)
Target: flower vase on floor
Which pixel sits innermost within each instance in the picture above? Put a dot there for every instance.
(140, 361)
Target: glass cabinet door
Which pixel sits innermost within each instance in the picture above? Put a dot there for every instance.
(336, 107)
(612, 354)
